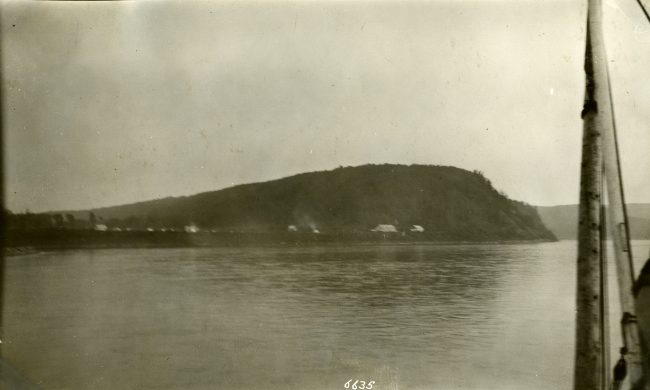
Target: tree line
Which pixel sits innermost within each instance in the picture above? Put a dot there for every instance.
(32, 221)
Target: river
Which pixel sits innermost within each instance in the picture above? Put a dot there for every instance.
(401, 316)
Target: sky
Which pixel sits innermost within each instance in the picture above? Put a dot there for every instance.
(108, 103)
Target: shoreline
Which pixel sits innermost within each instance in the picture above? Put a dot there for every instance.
(19, 243)
(19, 251)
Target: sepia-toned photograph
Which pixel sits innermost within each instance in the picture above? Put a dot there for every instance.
(325, 194)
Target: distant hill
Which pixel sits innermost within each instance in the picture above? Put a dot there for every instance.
(448, 203)
(563, 220)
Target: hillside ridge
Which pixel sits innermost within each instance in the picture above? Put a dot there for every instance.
(562, 220)
(448, 203)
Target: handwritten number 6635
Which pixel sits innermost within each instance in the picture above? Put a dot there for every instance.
(359, 385)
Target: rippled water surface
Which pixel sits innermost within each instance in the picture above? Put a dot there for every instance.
(406, 317)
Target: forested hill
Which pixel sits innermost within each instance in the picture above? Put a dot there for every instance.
(448, 203)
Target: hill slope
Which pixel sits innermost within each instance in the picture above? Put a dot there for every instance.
(563, 220)
(450, 203)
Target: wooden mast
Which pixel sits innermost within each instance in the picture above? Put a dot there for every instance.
(617, 215)
(600, 153)
(589, 365)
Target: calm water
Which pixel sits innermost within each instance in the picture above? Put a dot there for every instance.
(406, 317)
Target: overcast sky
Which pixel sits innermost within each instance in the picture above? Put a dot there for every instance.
(114, 102)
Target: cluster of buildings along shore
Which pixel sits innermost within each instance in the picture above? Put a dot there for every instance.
(187, 229)
(381, 228)
(30, 221)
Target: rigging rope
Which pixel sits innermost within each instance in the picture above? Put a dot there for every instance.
(645, 7)
(617, 156)
(621, 228)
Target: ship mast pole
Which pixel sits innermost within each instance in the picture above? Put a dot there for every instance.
(600, 154)
(617, 214)
(589, 368)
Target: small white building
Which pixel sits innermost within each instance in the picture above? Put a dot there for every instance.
(417, 228)
(292, 228)
(101, 228)
(381, 228)
(191, 229)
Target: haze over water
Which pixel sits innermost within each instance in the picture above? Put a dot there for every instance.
(406, 317)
